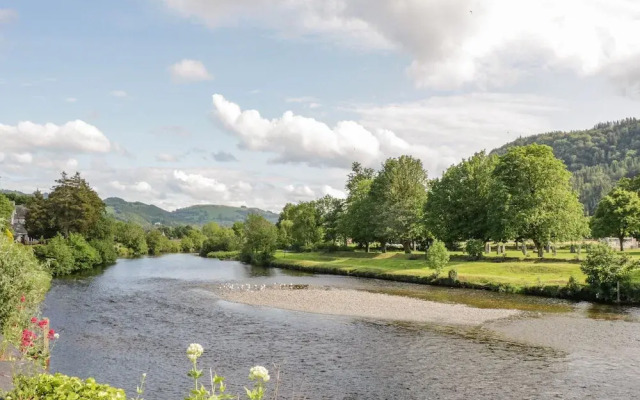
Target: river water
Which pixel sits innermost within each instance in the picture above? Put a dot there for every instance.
(140, 315)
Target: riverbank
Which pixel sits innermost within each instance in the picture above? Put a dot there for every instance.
(363, 304)
(547, 278)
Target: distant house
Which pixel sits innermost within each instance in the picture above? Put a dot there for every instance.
(628, 243)
(18, 218)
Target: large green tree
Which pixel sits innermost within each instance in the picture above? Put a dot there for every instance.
(533, 198)
(357, 222)
(399, 193)
(306, 229)
(38, 222)
(73, 206)
(618, 215)
(261, 237)
(459, 204)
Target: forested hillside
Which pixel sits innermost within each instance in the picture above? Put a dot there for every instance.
(147, 214)
(598, 157)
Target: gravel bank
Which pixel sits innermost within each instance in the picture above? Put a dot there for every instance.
(365, 304)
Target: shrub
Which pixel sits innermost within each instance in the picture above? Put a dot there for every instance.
(85, 256)
(453, 275)
(606, 270)
(61, 387)
(437, 256)
(107, 250)
(224, 255)
(474, 248)
(58, 256)
(20, 275)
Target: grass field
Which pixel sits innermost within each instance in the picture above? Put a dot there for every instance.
(526, 273)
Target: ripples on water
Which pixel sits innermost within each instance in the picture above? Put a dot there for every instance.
(140, 316)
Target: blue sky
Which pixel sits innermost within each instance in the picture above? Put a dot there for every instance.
(122, 91)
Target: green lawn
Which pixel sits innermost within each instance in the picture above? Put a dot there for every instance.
(515, 273)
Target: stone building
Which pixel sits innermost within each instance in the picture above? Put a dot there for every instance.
(18, 218)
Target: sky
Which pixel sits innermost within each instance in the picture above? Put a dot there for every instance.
(264, 102)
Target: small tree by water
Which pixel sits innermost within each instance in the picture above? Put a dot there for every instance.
(437, 256)
(606, 271)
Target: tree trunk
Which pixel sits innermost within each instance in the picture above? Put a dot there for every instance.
(407, 246)
(367, 246)
(415, 245)
(621, 243)
(618, 291)
(384, 247)
(539, 248)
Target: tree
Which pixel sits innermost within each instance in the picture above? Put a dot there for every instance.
(618, 215)
(399, 193)
(330, 211)
(437, 256)
(306, 230)
(606, 271)
(459, 204)
(73, 206)
(533, 198)
(38, 222)
(356, 222)
(285, 239)
(132, 237)
(261, 237)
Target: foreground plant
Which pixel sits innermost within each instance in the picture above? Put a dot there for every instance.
(258, 374)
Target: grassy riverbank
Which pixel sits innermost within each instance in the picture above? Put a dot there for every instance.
(547, 277)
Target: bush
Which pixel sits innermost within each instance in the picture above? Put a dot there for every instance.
(20, 275)
(107, 250)
(224, 255)
(85, 256)
(58, 256)
(453, 275)
(605, 270)
(437, 256)
(474, 248)
(61, 387)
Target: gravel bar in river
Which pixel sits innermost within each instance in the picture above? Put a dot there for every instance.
(364, 304)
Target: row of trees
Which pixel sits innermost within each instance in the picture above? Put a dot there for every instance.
(524, 194)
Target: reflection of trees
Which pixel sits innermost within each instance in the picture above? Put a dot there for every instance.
(257, 271)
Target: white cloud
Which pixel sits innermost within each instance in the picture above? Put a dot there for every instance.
(22, 158)
(71, 100)
(484, 43)
(140, 187)
(328, 190)
(189, 71)
(74, 136)
(457, 126)
(300, 139)
(199, 186)
(118, 93)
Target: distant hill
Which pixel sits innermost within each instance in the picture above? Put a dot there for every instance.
(147, 214)
(598, 157)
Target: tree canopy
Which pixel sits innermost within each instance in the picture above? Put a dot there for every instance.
(617, 215)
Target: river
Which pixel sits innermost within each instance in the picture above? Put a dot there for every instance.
(140, 315)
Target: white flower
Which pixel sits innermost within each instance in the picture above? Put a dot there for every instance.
(194, 351)
(259, 372)
(56, 336)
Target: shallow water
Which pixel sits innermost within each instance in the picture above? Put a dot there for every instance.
(140, 315)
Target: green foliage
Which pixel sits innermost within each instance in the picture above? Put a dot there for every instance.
(598, 157)
(61, 387)
(453, 275)
(474, 248)
(459, 204)
(20, 275)
(58, 256)
(73, 206)
(306, 223)
(85, 257)
(132, 237)
(437, 256)
(38, 223)
(219, 238)
(285, 239)
(224, 255)
(261, 237)
(605, 270)
(617, 215)
(357, 223)
(532, 198)
(6, 209)
(106, 248)
(399, 193)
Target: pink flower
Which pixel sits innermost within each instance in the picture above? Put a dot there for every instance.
(52, 334)
(43, 323)
(22, 299)
(34, 320)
